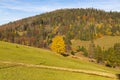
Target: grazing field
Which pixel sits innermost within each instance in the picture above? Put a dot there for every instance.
(104, 42)
(29, 55)
(23, 73)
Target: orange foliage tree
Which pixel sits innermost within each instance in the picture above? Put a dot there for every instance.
(58, 44)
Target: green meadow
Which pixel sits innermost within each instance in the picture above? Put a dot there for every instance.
(29, 55)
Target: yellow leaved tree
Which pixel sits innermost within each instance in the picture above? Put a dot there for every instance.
(58, 44)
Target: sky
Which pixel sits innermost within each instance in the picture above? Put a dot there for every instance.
(11, 10)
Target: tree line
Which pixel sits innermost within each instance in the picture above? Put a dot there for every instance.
(109, 57)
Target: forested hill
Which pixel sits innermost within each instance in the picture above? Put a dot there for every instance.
(83, 24)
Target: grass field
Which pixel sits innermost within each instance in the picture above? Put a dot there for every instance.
(30, 55)
(104, 42)
(22, 73)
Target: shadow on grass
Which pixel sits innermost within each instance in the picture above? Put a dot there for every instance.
(118, 75)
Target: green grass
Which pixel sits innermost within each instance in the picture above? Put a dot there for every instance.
(104, 42)
(30, 55)
(23, 73)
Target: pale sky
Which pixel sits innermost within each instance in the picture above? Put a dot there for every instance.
(11, 10)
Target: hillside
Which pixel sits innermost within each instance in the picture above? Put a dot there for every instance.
(28, 55)
(105, 42)
(93, 32)
(82, 24)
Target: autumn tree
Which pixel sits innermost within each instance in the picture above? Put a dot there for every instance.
(58, 44)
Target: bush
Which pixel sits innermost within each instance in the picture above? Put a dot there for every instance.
(72, 52)
(65, 54)
(83, 49)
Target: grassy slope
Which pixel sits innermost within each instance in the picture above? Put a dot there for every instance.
(23, 73)
(9, 52)
(106, 42)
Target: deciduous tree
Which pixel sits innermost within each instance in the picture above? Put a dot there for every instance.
(58, 44)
